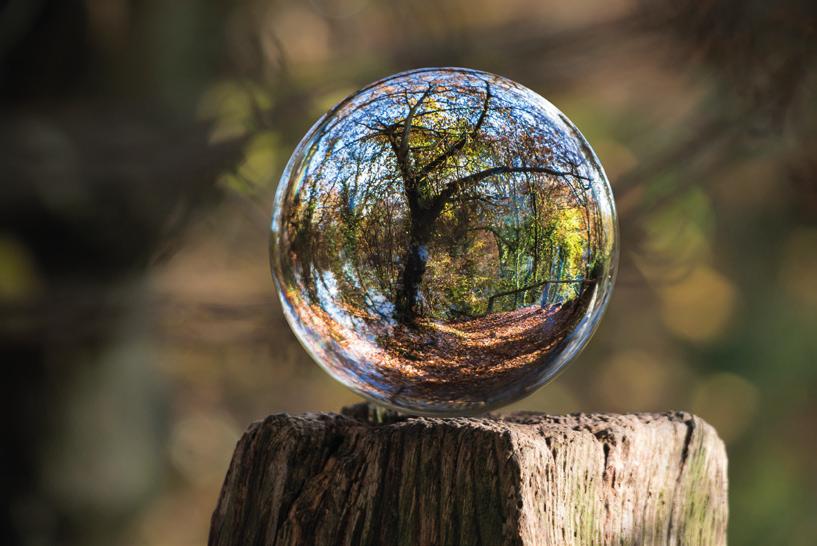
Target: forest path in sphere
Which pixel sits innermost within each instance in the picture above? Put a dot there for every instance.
(480, 351)
(441, 361)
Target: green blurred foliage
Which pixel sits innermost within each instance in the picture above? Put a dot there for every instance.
(141, 145)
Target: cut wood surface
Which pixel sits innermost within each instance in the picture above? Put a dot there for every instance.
(365, 477)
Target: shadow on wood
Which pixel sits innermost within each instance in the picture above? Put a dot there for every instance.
(367, 478)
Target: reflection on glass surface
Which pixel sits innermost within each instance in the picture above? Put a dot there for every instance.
(444, 241)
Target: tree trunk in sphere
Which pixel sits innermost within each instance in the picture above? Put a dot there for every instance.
(366, 477)
(414, 267)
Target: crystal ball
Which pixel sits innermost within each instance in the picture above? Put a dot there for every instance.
(444, 241)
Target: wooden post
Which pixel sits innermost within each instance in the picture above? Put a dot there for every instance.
(369, 478)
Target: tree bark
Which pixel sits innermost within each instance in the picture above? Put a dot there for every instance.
(414, 266)
(368, 478)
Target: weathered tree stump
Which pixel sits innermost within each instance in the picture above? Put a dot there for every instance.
(364, 478)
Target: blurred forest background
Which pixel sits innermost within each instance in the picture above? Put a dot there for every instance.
(140, 145)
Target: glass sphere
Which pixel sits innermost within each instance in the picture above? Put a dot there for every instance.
(444, 241)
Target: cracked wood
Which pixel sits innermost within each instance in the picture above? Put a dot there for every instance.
(365, 478)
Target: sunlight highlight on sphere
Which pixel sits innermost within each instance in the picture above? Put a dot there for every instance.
(444, 241)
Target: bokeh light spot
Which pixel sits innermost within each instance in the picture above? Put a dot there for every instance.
(728, 401)
(698, 307)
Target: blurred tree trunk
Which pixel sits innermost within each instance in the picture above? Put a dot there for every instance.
(101, 171)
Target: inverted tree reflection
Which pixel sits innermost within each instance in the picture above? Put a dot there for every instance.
(426, 201)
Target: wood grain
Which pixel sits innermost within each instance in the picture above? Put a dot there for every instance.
(369, 478)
